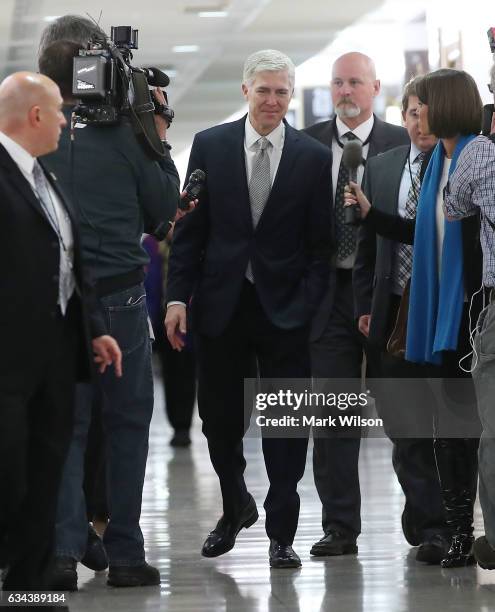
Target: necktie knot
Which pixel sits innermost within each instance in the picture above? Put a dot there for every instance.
(350, 136)
(419, 158)
(263, 143)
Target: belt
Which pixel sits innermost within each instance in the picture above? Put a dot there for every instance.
(119, 282)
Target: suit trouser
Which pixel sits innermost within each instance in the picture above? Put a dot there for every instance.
(127, 411)
(179, 379)
(338, 354)
(34, 438)
(251, 340)
(406, 407)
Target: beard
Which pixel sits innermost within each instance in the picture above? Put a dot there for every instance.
(346, 109)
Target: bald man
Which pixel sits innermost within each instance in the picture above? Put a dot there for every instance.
(46, 319)
(337, 346)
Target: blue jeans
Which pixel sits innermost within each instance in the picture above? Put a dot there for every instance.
(484, 380)
(127, 411)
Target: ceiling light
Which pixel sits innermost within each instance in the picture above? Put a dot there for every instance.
(185, 48)
(212, 14)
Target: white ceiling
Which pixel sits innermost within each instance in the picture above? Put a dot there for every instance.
(206, 88)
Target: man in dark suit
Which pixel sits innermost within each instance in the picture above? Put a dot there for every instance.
(44, 323)
(337, 347)
(381, 271)
(256, 255)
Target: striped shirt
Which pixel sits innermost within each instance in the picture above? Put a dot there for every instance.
(472, 187)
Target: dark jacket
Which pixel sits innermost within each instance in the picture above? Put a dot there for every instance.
(384, 136)
(29, 281)
(289, 250)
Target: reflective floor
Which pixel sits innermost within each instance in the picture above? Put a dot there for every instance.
(182, 503)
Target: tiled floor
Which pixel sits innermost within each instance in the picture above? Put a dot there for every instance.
(182, 504)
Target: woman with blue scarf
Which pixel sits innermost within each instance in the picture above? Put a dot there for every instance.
(446, 273)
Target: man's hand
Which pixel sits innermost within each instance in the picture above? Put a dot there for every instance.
(175, 326)
(356, 196)
(106, 352)
(160, 122)
(364, 324)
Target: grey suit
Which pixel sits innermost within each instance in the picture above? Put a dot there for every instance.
(337, 350)
(413, 458)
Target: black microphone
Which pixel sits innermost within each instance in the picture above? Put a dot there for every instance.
(352, 157)
(195, 184)
(156, 77)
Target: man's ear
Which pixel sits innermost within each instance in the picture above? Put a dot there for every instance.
(244, 88)
(376, 87)
(34, 116)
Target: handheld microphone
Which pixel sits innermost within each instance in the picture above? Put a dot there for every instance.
(195, 184)
(156, 77)
(352, 157)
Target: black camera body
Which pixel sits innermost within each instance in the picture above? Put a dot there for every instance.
(109, 88)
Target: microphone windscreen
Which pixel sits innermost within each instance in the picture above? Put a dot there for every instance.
(157, 77)
(198, 175)
(352, 155)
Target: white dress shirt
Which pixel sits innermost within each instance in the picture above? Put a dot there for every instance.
(276, 139)
(362, 132)
(25, 162)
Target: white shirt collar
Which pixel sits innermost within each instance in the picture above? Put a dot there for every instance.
(414, 152)
(276, 136)
(22, 158)
(362, 131)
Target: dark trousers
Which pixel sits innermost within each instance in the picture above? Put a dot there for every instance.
(179, 380)
(251, 343)
(34, 438)
(413, 458)
(339, 353)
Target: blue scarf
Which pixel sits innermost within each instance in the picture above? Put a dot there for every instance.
(435, 305)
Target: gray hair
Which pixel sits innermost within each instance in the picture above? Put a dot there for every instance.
(268, 59)
(73, 28)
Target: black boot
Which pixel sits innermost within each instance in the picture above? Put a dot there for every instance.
(455, 458)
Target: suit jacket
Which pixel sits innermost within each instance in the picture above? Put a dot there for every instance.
(384, 136)
(289, 250)
(382, 229)
(29, 277)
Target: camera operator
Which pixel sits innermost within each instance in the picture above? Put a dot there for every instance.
(472, 188)
(120, 193)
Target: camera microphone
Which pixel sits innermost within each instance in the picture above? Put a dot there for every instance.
(352, 158)
(156, 77)
(195, 184)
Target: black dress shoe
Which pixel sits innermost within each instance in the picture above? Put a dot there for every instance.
(433, 550)
(133, 575)
(484, 553)
(222, 538)
(181, 439)
(282, 555)
(63, 574)
(334, 543)
(95, 557)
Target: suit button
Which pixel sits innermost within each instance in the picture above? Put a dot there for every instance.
(55, 278)
(54, 244)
